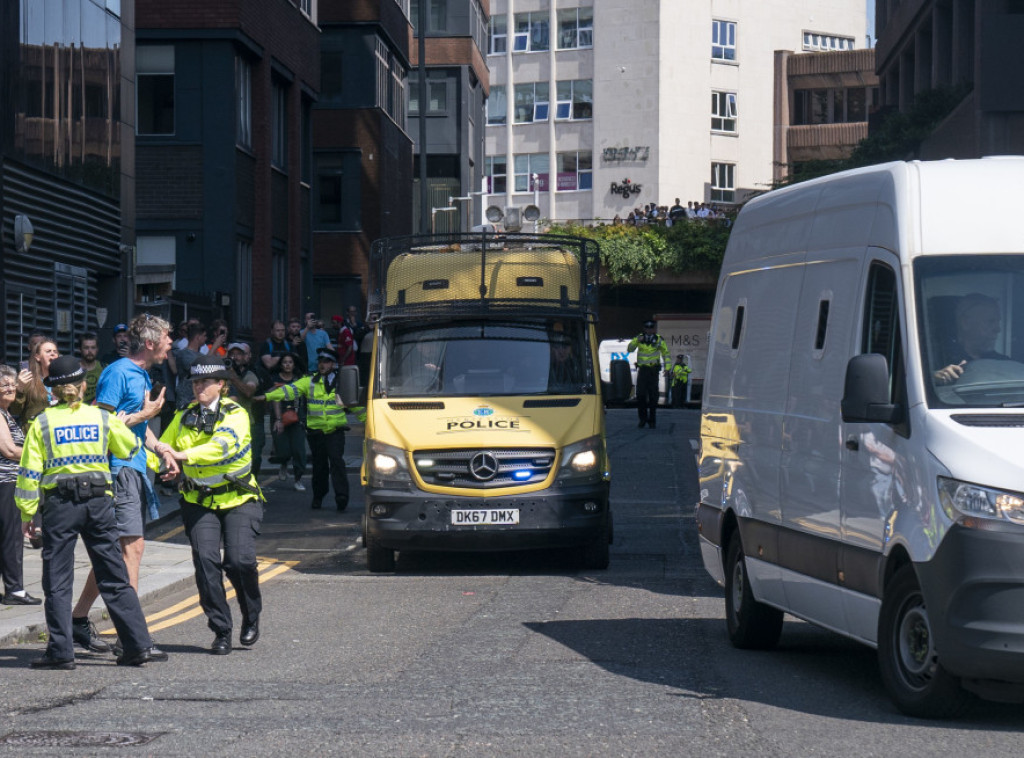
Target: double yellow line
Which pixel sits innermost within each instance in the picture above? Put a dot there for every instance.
(190, 608)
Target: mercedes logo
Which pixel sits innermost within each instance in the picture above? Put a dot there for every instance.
(483, 466)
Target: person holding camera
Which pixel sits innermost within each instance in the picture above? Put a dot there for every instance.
(651, 351)
(64, 465)
(219, 330)
(316, 339)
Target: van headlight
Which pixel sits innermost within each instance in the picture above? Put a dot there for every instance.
(386, 465)
(960, 499)
(583, 462)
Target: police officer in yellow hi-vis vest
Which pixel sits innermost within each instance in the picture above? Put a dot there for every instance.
(325, 426)
(651, 349)
(221, 504)
(64, 465)
(680, 376)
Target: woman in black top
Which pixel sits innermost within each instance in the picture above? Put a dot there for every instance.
(289, 439)
(12, 543)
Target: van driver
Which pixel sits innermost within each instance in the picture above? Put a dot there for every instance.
(978, 323)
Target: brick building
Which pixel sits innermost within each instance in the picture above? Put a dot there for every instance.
(224, 156)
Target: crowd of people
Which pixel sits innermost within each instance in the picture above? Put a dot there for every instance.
(666, 215)
(88, 441)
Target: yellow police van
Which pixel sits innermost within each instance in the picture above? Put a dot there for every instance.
(484, 421)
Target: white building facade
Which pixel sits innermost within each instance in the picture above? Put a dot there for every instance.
(600, 106)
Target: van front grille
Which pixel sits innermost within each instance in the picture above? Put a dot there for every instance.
(481, 468)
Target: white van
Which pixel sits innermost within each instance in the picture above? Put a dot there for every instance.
(862, 434)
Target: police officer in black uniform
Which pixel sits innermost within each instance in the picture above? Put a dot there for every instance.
(64, 464)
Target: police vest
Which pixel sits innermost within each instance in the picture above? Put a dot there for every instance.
(323, 414)
(648, 355)
(215, 455)
(66, 441)
(680, 374)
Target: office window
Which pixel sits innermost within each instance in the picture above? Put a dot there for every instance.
(497, 105)
(437, 15)
(575, 28)
(723, 111)
(575, 100)
(496, 170)
(243, 102)
(575, 171)
(498, 42)
(279, 126)
(531, 32)
(531, 102)
(243, 286)
(723, 187)
(396, 91)
(332, 78)
(155, 89)
(306, 6)
(525, 167)
(437, 93)
(723, 40)
(814, 41)
(835, 105)
(338, 190)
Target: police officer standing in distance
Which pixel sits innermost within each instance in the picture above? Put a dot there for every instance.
(221, 504)
(325, 426)
(651, 350)
(64, 464)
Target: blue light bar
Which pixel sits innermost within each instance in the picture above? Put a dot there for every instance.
(522, 474)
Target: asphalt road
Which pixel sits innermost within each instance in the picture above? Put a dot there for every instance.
(493, 655)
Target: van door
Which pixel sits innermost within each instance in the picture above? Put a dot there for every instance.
(871, 487)
(810, 540)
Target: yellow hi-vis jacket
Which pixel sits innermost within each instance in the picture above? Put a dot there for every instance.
(680, 374)
(323, 414)
(65, 441)
(648, 355)
(215, 456)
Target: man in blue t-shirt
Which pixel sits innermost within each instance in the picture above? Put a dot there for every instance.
(124, 388)
(315, 338)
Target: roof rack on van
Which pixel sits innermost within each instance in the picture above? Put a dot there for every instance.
(483, 273)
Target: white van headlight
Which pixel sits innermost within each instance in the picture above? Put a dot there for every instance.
(582, 462)
(961, 499)
(386, 465)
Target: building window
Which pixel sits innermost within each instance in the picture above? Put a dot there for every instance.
(396, 95)
(527, 166)
(836, 105)
(497, 105)
(243, 101)
(332, 79)
(723, 186)
(723, 111)
(306, 6)
(279, 296)
(338, 191)
(155, 86)
(824, 42)
(531, 102)
(498, 43)
(532, 32)
(243, 286)
(306, 137)
(279, 126)
(575, 100)
(437, 93)
(575, 171)
(496, 170)
(723, 40)
(575, 28)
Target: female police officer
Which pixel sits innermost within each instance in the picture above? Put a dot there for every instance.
(221, 504)
(64, 463)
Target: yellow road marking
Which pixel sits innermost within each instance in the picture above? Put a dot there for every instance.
(190, 608)
(173, 533)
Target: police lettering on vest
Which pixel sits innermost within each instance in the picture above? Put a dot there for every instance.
(65, 435)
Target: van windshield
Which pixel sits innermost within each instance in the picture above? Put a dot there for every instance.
(487, 357)
(971, 317)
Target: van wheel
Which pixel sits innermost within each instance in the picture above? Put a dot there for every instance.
(909, 662)
(379, 559)
(752, 625)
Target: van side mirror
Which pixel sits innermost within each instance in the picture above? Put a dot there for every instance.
(866, 392)
(348, 386)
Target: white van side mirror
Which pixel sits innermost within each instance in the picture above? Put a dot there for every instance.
(866, 392)
(348, 386)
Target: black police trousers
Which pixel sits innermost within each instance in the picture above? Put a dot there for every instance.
(329, 459)
(62, 521)
(235, 529)
(647, 393)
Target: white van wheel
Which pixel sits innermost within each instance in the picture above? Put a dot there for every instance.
(752, 625)
(909, 662)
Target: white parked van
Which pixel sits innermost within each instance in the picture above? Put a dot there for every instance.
(862, 435)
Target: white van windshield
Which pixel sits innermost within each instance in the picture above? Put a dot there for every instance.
(971, 317)
(482, 358)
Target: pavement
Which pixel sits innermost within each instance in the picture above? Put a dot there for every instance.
(166, 568)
